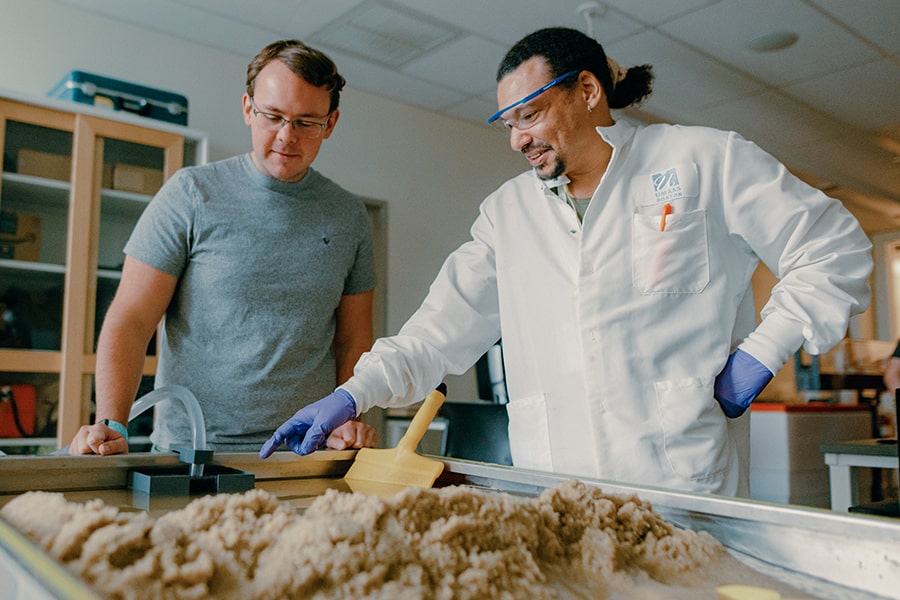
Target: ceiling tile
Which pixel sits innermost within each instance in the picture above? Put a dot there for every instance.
(507, 21)
(468, 64)
(613, 25)
(876, 20)
(391, 84)
(772, 121)
(838, 94)
(724, 29)
(292, 18)
(684, 79)
(186, 22)
(384, 33)
(654, 12)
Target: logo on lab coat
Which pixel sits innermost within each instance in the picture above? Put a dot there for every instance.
(666, 186)
(669, 184)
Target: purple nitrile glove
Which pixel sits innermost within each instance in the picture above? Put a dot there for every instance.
(739, 383)
(307, 430)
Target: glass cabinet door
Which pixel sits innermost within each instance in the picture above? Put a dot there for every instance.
(34, 201)
(132, 174)
(35, 189)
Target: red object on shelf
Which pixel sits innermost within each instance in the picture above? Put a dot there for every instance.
(20, 398)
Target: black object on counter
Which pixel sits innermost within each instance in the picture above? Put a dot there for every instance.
(477, 431)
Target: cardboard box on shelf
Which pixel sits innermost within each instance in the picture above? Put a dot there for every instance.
(44, 164)
(141, 180)
(20, 236)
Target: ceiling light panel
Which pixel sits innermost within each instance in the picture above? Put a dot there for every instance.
(385, 33)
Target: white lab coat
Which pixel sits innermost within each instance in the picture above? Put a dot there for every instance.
(614, 331)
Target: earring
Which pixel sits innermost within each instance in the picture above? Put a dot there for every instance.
(590, 108)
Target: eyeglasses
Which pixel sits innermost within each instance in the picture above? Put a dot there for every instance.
(306, 129)
(527, 119)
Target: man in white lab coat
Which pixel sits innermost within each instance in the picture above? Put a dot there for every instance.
(618, 272)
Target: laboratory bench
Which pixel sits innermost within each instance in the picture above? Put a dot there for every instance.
(844, 460)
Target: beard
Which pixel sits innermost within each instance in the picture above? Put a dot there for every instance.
(550, 170)
(556, 169)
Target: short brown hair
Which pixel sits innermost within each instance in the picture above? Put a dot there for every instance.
(312, 65)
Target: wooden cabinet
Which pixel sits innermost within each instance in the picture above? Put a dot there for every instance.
(75, 179)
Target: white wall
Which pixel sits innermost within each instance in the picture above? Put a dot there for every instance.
(432, 171)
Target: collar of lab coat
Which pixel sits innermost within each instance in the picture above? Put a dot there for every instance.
(617, 133)
(550, 185)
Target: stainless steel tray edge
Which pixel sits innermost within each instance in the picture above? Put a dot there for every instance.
(29, 573)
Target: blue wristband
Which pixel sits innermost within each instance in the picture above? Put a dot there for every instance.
(117, 427)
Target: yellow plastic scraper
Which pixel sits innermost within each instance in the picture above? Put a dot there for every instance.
(386, 471)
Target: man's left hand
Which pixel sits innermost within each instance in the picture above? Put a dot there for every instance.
(352, 434)
(740, 382)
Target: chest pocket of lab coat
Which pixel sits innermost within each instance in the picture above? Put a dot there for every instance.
(673, 261)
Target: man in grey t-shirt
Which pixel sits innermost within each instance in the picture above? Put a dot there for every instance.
(262, 269)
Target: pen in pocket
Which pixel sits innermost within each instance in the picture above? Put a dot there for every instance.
(666, 210)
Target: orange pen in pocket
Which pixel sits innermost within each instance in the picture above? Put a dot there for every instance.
(666, 210)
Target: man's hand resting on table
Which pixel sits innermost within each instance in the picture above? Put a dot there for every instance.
(98, 439)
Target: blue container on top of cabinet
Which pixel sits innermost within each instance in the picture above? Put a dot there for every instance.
(89, 88)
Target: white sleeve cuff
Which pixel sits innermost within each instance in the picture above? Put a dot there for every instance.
(774, 341)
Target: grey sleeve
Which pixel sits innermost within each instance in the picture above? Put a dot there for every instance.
(163, 235)
(362, 276)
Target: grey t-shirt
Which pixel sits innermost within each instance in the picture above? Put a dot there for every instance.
(262, 266)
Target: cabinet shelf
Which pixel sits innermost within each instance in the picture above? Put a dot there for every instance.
(123, 203)
(34, 191)
(109, 274)
(27, 265)
(38, 267)
(40, 192)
